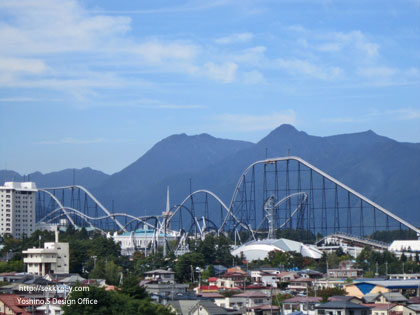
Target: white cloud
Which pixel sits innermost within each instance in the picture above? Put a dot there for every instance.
(297, 67)
(245, 123)
(224, 72)
(50, 26)
(357, 40)
(348, 43)
(31, 66)
(251, 56)
(235, 38)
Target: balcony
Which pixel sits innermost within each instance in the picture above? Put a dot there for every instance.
(39, 260)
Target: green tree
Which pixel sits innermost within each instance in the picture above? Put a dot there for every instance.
(112, 273)
(110, 302)
(186, 265)
(131, 287)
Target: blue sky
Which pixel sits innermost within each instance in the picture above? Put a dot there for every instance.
(97, 83)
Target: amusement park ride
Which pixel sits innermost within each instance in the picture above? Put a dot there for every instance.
(270, 195)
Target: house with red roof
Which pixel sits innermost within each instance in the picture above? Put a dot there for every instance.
(14, 304)
(233, 278)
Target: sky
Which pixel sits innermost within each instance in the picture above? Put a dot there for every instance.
(98, 83)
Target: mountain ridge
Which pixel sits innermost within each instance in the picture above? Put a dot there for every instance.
(382, 169)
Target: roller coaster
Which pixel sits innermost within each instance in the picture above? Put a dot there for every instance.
(270, 195)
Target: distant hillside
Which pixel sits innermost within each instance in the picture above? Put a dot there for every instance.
(85, 177)
(142, 184)
(386, 171)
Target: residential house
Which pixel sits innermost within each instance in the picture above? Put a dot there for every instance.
(342, 308)
(266, 277)
(199, 307)
(247, 299)
(13, 304)
(311, 274)
(385, 298)
(300, 284)
(160, 276)
(233, 278)
(161, 285)
(301, 303)
(204, 307)
(286, 276)
(346, 269)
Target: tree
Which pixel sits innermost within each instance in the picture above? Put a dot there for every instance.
(98, 272)
(209, 272)
(112, 273)
(110, 302)
(276, 258)
(131, 287)
(187, 262)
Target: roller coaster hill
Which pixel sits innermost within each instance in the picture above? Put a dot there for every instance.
(271, 196)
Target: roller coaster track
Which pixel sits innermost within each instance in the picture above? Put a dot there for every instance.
(92, 197)
(218, 200)
(299, 206)
(317, 170)
(87, 218)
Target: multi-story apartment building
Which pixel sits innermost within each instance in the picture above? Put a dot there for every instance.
(17, 208)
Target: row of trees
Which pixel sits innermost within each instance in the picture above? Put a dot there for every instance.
(128, 299)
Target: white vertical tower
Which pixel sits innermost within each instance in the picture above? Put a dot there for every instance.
(165, 218)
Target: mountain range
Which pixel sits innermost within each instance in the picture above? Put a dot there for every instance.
(382, 169)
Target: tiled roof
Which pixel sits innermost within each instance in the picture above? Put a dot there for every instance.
(12, 302)
(341, 305)
(303, 299)
(251, 294)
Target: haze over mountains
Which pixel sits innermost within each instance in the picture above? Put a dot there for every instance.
(384, 170)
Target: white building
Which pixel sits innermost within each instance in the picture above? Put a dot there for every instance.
(141, 239)
(53, 258)
(409, 247)
(259, 249)
(17, 208)
(248, 299)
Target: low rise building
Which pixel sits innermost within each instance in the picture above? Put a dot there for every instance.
(267, 277)
(300, 284)
(13, 304)
(342, 308)
(53, 258)
(247, 299)
(233, 278)
(141, 239)
(408, 287)
(160, 276)
(301, 303)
